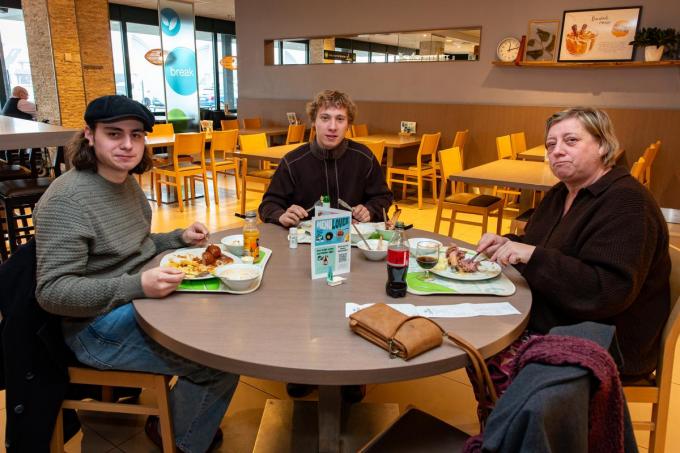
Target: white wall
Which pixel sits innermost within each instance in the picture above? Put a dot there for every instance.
(457, 82)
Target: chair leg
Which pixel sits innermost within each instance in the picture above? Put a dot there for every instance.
(180, 190)
(403, 188)
(452, 222)
(499, 224)
(440, 207)
(434, 187)
(159, 194)
(165, 421)
(420, 191)
(389, 179)
(206, 190)
(57, 441)
(215, 188)
(485, 222)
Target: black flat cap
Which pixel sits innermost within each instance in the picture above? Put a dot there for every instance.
(107, 109)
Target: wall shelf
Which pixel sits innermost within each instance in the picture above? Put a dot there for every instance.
(584, 65)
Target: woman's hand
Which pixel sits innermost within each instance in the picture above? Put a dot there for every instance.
(512, 253)
(196, 234)
(161, 281)
(489, 243)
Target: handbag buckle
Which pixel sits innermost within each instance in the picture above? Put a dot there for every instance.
(393, 352)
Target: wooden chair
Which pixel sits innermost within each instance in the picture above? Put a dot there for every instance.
(296, 134)
(312, 134)
(348, 133)
(505, 151)
(377, 148)
(159, 130)
(155, 384)
(658, 391)
(463, 202)
(650, 155)
(264, 177)
(252, 123)
(637, 171)
(227, 125)
(422, 170)
(359, 130)
(518, 142)
(224, 142)
(460, 140)
(191, 144)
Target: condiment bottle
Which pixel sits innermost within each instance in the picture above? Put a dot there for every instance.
(251, 236)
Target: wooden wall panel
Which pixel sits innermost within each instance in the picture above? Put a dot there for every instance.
(635, 128)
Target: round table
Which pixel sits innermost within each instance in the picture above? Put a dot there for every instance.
(293, 329)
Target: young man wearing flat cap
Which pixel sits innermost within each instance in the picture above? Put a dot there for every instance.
(92, 238)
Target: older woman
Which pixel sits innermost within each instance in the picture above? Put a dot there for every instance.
(596, 249)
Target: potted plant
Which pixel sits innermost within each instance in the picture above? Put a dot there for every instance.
(655, 40)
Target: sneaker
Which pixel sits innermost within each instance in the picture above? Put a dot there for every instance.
(153, 433)
(299, 390)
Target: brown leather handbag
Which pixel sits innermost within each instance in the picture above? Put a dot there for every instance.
(408, 336)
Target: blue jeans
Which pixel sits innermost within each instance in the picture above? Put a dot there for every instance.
(201, 396)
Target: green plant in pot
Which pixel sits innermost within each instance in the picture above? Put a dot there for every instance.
(655, 41)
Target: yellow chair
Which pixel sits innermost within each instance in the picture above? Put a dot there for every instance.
(637, 171)
(224, 142)
(348, 133)
(518, 142)
(164, 130)
(190, 144)
(658, 391)
(460, 140)
(650, 155)
(504, 147)
(252, 123)
(505, 151)
(312, 134)
(377, 148)
(254, 142)
(422, 170)
(463, 202)
(296, 134)
(228, 124)
(359, 130)
(155, 384)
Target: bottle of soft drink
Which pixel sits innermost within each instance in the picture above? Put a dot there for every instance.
(251, 236)
(397, 262)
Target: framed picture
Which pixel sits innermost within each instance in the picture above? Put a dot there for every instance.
(408, 127)
(599, 34)
(292, 118)
(542, 41)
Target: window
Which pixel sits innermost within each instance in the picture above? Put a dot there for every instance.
(118, 58)
(377, 57)
(206, 70)
(146, 78)
(228, 78)
(15, 51)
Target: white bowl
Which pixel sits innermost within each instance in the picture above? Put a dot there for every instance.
(234, 244)
(366, 229)
(374, 254)
(238, 277)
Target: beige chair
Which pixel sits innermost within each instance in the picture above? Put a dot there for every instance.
(518, 141)
(229, 124)
(296, 134)
(223, 142)
(658, 391)
(650, 155)
(252, 123)
(377, 148)
(155, 384)
(190, 144)
(421, 171)
(359, 130)
(463, 202)
(264, 177)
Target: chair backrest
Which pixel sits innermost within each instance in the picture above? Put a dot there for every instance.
(162, 130)
(189, 144)
(519, 142)
(224, 141)
(504, 147)
(460, 140)
(348, 133)
(229, 124)
(253, 142)
(296, 134)
(428, 147)
(252, 123)
(377, 148)
(649, 155)
(451, 161)
(638, 169)
(359, 130)
(312, 134)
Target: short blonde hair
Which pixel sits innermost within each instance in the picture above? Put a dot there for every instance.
(596, 122)
(332, 98)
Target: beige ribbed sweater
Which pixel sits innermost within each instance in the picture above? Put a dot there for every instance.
(92, 237)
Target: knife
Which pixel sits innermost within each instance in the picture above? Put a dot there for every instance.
(345, 205)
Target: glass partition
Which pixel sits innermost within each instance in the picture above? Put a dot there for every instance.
(146, 70)
(14, 52)
(450, 44)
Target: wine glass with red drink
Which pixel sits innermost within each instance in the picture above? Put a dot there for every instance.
(427, 256)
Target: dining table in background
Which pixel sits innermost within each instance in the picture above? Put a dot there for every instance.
(536, 154)
(294, 329)
(393, 142)
(270, 132)
(17, 133)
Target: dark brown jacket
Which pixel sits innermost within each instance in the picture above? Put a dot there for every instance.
(606, 260)
(349, 172)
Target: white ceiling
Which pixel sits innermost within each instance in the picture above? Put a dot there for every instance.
(217, 9)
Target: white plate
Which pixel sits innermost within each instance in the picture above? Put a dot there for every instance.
(487, 270)
(198, 252)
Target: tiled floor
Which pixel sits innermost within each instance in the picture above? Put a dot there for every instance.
(447, 396)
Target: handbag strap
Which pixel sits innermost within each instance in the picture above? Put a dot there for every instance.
(487, 392)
